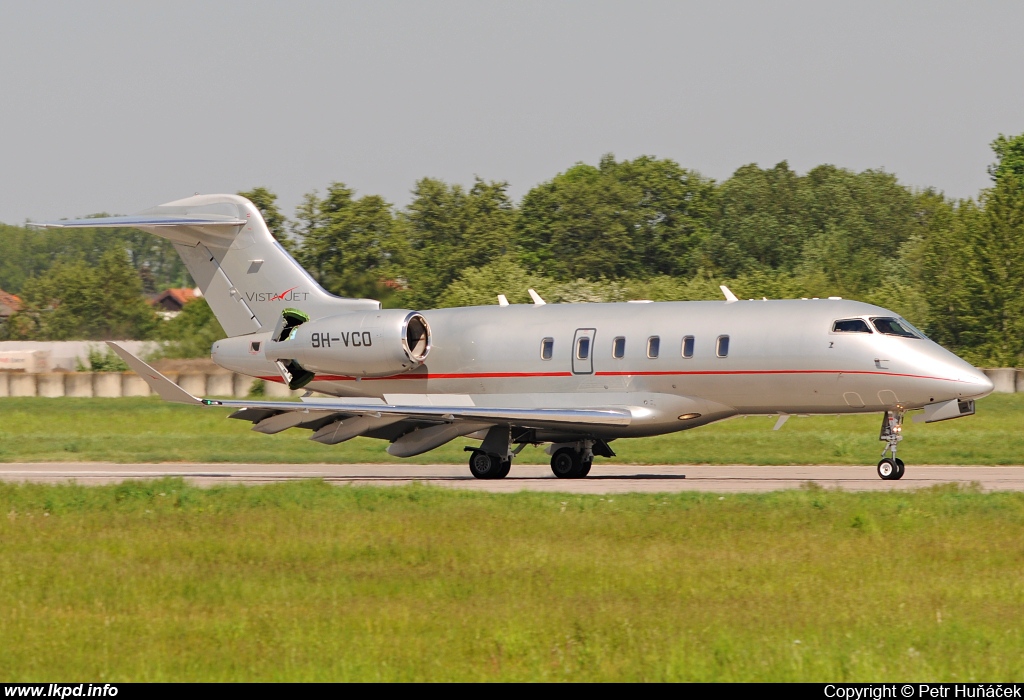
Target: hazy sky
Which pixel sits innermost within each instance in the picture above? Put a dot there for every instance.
(117, 106)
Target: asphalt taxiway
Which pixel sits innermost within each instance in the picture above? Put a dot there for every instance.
(604, 478)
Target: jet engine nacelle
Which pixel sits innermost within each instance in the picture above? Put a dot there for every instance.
(366, 344)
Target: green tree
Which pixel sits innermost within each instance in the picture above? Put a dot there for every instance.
(78, 301)
(631, 218)
(1009, 152)
(447, 229)
(192, 332)
(760, 224)
(480, 286)
(349, 244)
(580, 224)
(999, 291)
(853, 222)
(30, 252)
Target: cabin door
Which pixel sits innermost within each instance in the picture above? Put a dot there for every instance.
(583, 351)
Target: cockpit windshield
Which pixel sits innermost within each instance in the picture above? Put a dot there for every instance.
(894, 326)
(851, 325)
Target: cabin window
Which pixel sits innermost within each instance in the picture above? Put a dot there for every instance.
(619, 348)
(583, 348)
(851, 325)
(547, 348)
(893, 326)
(653, 346)
(722, 347)
(688, 346)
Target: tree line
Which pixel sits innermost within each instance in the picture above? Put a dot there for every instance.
(643, 228)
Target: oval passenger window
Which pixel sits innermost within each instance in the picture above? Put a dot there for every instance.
(722, 349)
(688, 346)
(653, 346)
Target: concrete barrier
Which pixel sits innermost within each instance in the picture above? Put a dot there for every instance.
(193, 382)
(5, 386)
(1004, 379)
(242, 385)
(23, 385)
(133, 385)
(1020, 380)
(279, 390)
(220, 384)
(78, 384)
(50, 385)
(106, 384)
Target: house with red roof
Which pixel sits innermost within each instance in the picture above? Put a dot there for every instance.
(170, 302)
(9, 304)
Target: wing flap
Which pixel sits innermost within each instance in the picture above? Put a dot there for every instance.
(525, 417)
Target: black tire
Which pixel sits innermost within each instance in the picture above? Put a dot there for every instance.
(503, 470)
(888, 470)
(483, 465)
(586, 468)
(566, 464)
(901, 469)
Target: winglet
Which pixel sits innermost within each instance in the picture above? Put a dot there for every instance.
(729, 296)
(536, 298)
(168, 390)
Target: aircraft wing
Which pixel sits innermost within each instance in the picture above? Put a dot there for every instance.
(336, 420)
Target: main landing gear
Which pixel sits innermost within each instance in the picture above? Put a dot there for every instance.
(488, 466)
(493, 459)
(891, 468)
(571, 463)
(573, 460)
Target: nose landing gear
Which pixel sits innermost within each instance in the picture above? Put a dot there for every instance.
(891, 469)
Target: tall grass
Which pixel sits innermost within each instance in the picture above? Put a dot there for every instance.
(304, 581)
(148, 430)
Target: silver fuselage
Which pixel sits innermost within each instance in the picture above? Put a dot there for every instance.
(783, 357)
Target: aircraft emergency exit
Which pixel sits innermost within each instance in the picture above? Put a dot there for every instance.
(573, 376)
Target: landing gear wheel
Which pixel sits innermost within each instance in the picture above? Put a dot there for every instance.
(586, 468)
(888, 470)
(503, 470)
(901, 469)
(483, 465)
(566, 464)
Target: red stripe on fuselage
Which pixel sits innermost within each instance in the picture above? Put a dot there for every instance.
(526, 375)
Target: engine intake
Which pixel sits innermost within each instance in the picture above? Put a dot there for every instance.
(366, 344)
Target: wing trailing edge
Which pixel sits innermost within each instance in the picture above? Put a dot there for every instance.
(581, 418)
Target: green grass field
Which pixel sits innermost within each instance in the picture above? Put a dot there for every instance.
(305, 581)
(148, 430)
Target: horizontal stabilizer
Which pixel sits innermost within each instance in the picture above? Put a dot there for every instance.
(143, 221)
(167, 390)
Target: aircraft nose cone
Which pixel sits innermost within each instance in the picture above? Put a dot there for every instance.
(979, 384)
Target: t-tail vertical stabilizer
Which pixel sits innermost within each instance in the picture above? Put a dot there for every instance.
(245, 275)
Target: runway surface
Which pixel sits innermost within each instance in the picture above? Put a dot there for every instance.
(604, 478)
